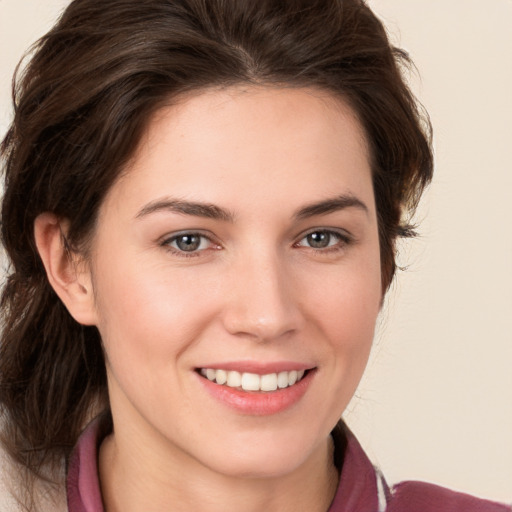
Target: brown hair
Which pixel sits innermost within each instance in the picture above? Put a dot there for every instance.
(81, 107)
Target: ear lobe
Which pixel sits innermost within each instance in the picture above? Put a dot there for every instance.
(67, 273)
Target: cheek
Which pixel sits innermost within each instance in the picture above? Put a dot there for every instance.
(349, 303)
(346, 312)
(146, 312)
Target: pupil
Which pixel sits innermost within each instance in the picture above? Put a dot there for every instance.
(319, 240)
(188, 242)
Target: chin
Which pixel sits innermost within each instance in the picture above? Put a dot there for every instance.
(273, 465)
(265, 456)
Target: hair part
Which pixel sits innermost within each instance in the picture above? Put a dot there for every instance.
(81, 107)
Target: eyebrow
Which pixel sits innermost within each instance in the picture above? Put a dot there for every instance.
(334, 204)
(212, 211)
(207, 210)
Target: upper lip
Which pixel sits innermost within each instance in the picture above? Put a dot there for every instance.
(260, 368)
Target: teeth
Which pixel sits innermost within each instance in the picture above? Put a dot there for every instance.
(234, 380)
(253, 381)
(250, 382)
(268, 382)
(221, 376)
(282, 380)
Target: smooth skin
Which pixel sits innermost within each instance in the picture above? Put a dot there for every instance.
(243, 230)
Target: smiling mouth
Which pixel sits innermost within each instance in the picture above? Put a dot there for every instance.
(245, 381)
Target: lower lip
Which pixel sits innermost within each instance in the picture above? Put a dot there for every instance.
(259, 403)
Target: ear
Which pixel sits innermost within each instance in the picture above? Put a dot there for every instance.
(68, 274)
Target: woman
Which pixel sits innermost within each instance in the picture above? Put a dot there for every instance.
(201, 208)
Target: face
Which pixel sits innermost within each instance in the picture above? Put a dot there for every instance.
(237, 282)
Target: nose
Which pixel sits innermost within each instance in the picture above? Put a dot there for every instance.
(262, 302)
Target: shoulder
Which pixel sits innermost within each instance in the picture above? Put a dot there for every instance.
(425, 497)
(362, 487)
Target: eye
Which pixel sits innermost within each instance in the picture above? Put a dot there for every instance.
(324, 239)
(188, 243)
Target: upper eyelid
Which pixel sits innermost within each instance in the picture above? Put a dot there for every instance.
(167, 244)
(336, 231)
(197, 232)
(343, 240)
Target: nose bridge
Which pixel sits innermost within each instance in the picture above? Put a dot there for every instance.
(262, 302)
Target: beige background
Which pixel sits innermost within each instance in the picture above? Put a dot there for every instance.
(436, 402)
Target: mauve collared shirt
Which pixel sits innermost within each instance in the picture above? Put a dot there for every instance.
(361, 487)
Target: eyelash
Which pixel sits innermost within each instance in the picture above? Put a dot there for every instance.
(343, 239)
(186, 254)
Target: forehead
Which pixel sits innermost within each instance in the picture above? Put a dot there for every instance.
(244, 141)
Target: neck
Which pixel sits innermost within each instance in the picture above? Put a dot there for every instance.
(131, 481)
